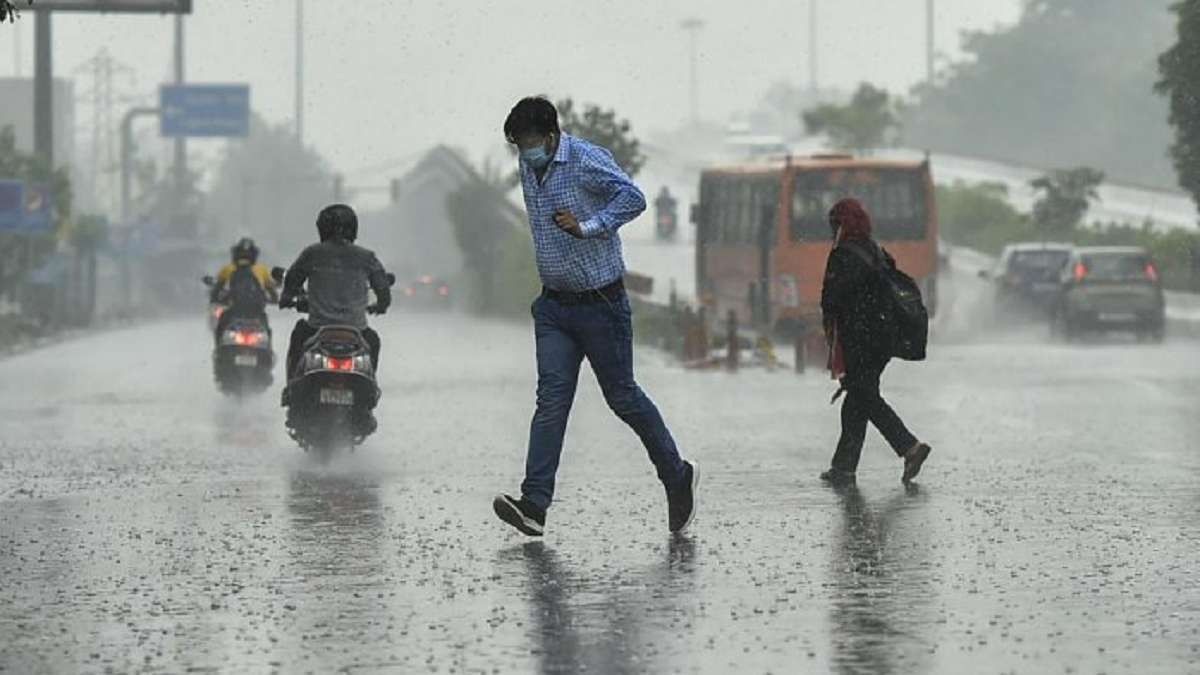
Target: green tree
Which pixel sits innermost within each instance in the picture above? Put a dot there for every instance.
(1064, 196)
(603, 128)
(9, 11)
(866, 122)
(497, 253)
(1177, 68)
(1070, 84)
(979, 216)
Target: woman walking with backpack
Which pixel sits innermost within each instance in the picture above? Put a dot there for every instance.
(861, 329)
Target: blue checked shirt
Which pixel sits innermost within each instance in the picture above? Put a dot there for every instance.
(583, 179)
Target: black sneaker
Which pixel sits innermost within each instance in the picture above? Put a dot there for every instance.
(913, 459)
(521, 514)
(682, 502)
(838, 477)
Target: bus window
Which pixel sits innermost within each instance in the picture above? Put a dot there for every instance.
(729, 211)
(747, 220)
(810, 211)
(895, 200)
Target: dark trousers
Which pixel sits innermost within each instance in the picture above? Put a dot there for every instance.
(303, 331)
(602, 332)
(863, 403)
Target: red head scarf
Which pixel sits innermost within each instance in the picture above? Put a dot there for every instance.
(850, 220)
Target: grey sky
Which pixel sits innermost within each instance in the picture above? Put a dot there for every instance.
(393, 76)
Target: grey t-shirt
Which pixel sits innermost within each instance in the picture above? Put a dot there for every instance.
(338, 275)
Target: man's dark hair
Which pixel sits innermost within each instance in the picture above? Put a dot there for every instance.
(531, 115)
(337, 221)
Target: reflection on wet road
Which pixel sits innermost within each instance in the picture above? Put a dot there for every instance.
(146, 523)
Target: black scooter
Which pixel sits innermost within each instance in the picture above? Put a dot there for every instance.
(242, 357)
(333, 390)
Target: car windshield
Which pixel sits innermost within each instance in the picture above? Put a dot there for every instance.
(1116, 266)
(1038, 264)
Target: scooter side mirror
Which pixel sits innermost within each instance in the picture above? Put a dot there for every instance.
(277, 274)
(208, 280)
(985, 275)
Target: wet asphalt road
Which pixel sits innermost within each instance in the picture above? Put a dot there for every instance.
(148, 524)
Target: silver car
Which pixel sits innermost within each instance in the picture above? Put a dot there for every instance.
(1110, 288)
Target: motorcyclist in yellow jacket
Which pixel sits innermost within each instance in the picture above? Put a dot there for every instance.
(243, 254)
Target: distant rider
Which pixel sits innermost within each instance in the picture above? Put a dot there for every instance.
(244, 286)
(338, 274)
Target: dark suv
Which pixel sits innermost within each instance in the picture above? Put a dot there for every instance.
(1111, 288)
(1027, 277)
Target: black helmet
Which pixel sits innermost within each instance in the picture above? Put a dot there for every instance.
(337, 221)
(245, 249)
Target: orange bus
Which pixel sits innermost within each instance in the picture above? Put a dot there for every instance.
(763, 233)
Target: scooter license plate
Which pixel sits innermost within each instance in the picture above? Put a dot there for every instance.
(337, 396)
(248, 360)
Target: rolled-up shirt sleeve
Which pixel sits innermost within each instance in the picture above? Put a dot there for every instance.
(601, 176)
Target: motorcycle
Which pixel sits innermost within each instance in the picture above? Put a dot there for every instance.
(332, 393)
(242, 357)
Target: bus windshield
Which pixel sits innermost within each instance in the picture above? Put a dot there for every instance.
(895, 198)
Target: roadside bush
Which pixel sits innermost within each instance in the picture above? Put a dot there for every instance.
(978, 216)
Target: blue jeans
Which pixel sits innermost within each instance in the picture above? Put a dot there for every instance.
(602, 332)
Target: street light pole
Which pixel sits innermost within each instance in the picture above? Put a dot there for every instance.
(16, 33)
(813, 85)
(300, 71)
(929, 41)
(180, 141)
(43, 88)
(693, 26)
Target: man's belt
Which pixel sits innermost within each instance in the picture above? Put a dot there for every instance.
(609, 293)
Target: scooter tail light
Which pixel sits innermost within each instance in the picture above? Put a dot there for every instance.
(1081, 271)
(339, 364)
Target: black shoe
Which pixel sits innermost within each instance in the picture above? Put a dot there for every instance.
(913, 459)
(682, 502)
(838, 477)
(521, 514)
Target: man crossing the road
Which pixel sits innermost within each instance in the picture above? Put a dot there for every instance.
(577, 198)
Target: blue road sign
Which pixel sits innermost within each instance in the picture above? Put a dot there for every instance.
(25, 208)
(212, 110)
(12, 204)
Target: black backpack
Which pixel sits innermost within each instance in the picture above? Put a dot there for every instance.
(904, 296)
(245, 292)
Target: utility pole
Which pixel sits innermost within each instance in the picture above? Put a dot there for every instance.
(102, 70)
(300, 71)
(929, 41)
(43, 89)
(693, 26)
(813, 85)
(16, 33)
(180, 142)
